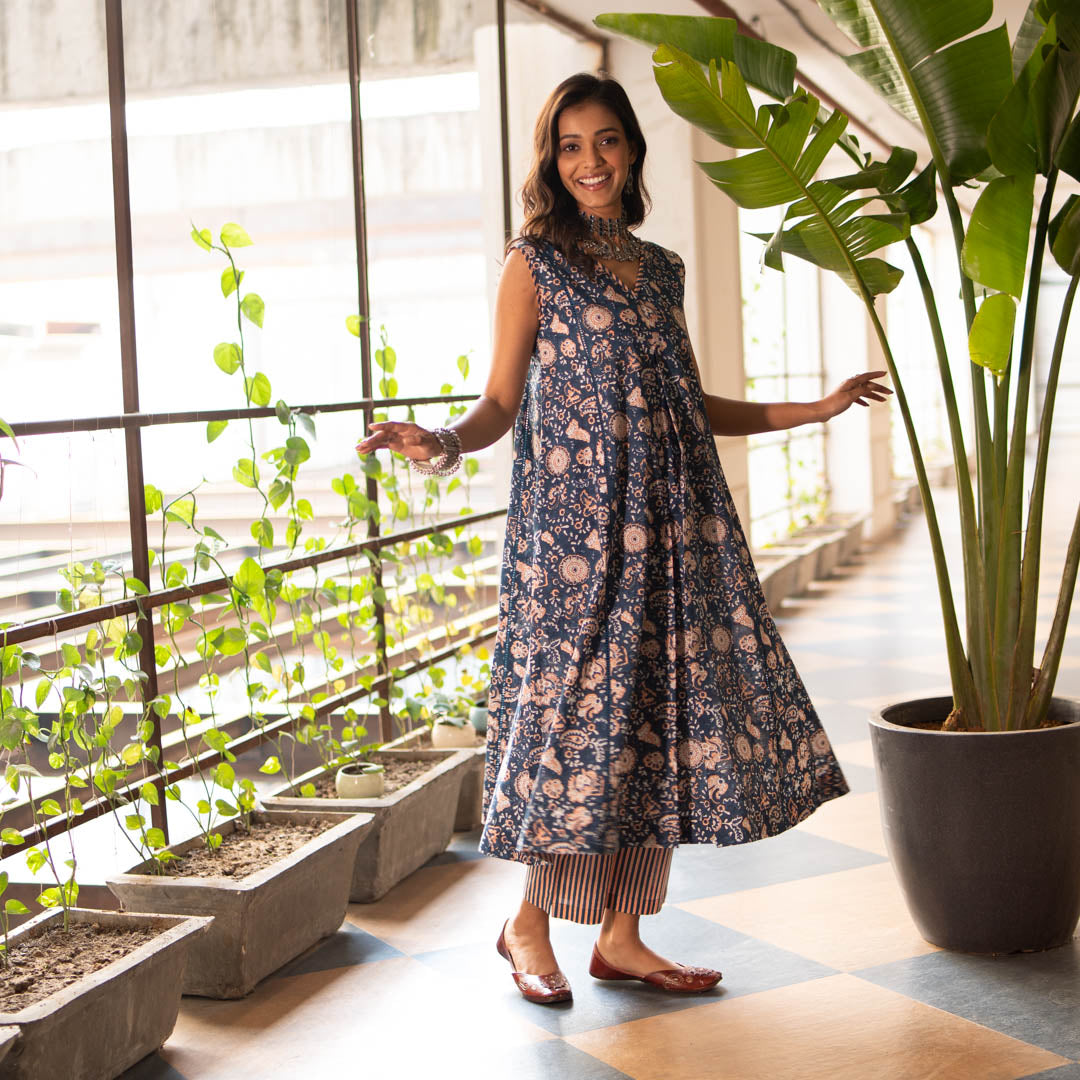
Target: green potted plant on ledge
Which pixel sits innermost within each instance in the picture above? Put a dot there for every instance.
(250, 868)
(979, 792)
(121, 1002)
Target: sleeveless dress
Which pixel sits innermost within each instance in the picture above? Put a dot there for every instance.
(640, 693)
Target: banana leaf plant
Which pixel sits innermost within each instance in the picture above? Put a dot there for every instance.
(999, 117)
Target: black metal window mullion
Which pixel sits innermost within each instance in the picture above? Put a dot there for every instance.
(125, 285)
(371, 488)
(132, 421)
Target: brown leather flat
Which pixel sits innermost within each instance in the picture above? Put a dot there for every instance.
(540, 989)
(680, 980)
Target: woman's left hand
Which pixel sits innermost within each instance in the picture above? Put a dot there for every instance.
(858, 389)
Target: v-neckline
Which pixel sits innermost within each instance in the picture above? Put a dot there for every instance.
(631, 291)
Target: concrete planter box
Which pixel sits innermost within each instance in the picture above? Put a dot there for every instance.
(852, 527)
(103, 1023)
(410, 825)
(471, 800)
(8, 1035)
(260, 922)
(830, 542)
(804, 551)
(778, 575)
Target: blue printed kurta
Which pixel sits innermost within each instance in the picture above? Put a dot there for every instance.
(640, 692)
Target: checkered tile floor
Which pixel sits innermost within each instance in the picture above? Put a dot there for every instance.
(825, 977)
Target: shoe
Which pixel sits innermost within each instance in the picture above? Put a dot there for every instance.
(541, 989)
(680, 980)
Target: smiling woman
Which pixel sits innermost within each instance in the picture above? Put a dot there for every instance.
(641, 697)
(589, 157)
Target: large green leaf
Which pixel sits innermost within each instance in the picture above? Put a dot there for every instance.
(1053, 99)
(996, 244)
(786, 153)
(1064, 236)
(1028, 37)
(782, 169)
(918, 199)
(1010, 138)
(883, 175)
(917, 27)
(952, 90)
(990, 340)
(765, 67)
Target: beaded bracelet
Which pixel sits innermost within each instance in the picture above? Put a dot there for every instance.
(445, 463)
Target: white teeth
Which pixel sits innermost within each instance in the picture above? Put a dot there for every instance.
(595, 181)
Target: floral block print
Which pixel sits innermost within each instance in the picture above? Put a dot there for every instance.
(640, 692)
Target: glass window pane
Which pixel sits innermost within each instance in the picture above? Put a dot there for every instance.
(59, 343)
(783, 362)
(244, 124)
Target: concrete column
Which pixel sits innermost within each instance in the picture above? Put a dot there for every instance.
(879, 420)
(858, 448)
(716, 289)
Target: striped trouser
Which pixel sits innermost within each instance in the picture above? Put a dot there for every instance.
(580, 887)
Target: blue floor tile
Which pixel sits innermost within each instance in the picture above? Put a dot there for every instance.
(463, 848)
(749, 966)
(152, 1067)
(700, 870)
(860, 778)
(872, 680)
(1030, 996)
(873, 647)
(348, 947)
(554, 1058)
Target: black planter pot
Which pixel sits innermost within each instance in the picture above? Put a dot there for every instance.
(983, 828)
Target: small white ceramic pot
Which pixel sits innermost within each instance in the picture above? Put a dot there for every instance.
(446, 736)
(364, 780)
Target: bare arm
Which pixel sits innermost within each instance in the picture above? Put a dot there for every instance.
(730, 416)
(493, 413)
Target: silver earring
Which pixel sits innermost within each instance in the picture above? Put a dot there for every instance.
(628, 187)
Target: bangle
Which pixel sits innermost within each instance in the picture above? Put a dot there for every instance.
(445, 463)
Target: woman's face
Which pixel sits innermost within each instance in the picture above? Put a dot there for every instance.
(594, 157)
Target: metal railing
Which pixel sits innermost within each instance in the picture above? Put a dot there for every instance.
(132, 421)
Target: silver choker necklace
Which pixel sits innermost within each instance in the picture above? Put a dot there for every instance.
(609, 238)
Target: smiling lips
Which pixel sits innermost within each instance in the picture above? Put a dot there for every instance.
(593, 182)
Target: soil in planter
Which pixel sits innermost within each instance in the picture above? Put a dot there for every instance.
(243, 852)
(50, 961)
(939, 725)
(397, 775)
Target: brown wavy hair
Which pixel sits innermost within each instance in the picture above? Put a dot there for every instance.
(551, 212)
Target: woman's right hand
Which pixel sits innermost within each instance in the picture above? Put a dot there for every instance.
(415, 442)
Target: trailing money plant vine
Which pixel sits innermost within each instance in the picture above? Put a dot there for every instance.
(279, 646)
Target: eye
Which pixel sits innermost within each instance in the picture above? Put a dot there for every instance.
(568, 146)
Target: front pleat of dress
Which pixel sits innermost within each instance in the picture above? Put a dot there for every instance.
(640, 694)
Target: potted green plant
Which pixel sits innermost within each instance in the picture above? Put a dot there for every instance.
(978, 790)
(251, 868)
(412, 820)
(118, 1010)
(451, 717)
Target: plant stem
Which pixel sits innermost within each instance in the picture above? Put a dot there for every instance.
(1044, 682)
(1038, 700)
(976, 601)
(964, 696)
(1014, 620)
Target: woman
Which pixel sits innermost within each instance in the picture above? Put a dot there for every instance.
(641, 696)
